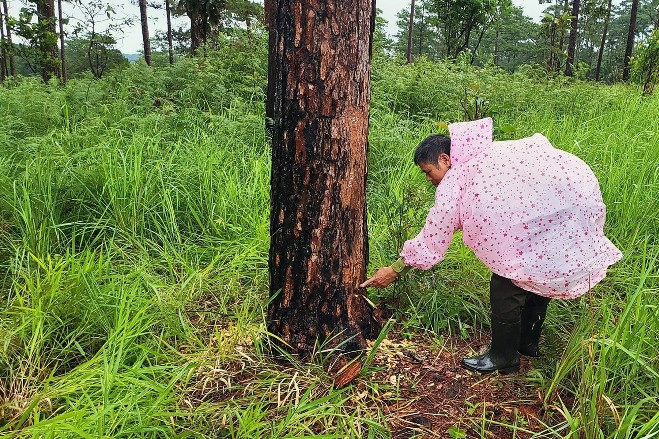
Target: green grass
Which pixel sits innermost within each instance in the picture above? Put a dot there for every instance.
(134, 238)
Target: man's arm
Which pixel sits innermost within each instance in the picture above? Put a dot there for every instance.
(430, 245)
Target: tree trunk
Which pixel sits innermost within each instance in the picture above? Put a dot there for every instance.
(3, 52)
(572, 43)
(320, 88)
(48, 46)
(630, 40)
(10, 54)
(423, 13)
(600, 54)
(196, 32)
(62, 46)
(410, 30)
(170, 38)
(145, 32)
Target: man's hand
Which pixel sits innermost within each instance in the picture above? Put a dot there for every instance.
(382, 278)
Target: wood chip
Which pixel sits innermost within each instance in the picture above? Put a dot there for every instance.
(348, 374)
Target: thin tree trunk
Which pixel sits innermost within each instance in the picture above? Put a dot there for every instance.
(62, 46)
(145, 32)
(478, 43)
(423, 13)
(572, 43)
(410, 30)
(600, 54)
(496, 47)
(630, 40)
(170, 38)
(3, 52)
(320, 88)
(48, 46)
(10, 54)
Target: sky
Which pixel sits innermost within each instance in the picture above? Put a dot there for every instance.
(131, 39)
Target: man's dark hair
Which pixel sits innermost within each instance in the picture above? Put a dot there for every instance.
(431, 148)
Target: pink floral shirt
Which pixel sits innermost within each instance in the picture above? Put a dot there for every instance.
(530, 212)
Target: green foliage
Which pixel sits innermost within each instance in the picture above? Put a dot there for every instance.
(134, 236)
(646, 63)
(97, 56)
(40, 51)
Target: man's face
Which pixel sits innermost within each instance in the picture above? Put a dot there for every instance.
(435, 172)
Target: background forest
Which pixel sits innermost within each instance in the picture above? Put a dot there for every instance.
(134, 228)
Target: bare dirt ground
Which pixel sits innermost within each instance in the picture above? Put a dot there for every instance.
(437, 398)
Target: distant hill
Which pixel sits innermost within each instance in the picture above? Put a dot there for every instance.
(132, 57)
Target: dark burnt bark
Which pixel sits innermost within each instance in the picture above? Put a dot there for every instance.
(48, 46)
(572, 42)
(600, 54)
(62, 50)
(145, 32)
(630, 40)
(10, 54)
(170, 38)
(410, 30)
(320, 108)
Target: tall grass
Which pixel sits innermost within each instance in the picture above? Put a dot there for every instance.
(134, 231)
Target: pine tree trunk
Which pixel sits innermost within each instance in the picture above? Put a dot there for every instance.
(410, 30)
(62, 46)
(48, 46)
(423, 13)
(170, 38)
(630, 40)
(3, 52)
(196, 32)
(572, 42)
(600, 54)
(10, 54)
(320, 87)
(145, 32)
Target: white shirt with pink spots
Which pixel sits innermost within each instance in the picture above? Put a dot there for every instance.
(530, 212)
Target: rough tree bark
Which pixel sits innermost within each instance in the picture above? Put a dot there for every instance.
(10, 55)
(61, 40)
(145, 32)
(320, 95)
(572, 42)
(630, 40)
(50, 62)
(197, 34)
(170, 38)
(410, 30)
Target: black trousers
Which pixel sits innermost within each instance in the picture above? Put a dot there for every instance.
(508, 301)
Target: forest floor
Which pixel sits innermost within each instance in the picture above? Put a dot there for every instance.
(414, 381)
(439, 398)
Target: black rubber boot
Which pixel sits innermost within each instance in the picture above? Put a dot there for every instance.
(532, 321)
(502, 355)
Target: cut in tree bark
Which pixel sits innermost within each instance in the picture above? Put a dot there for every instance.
(410, 30)
(600, 54)
(319, 90)
(10, 54)
(145, 32)
(630, 40)
(61, 40)
(170, 38)
(572, 42)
